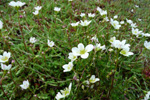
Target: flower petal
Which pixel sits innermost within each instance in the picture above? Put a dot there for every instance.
(80, 46)
(89, 47)
(84, 56)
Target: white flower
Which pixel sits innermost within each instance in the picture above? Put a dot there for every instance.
(16, 4)
(147, 96)
(137, 6)
(92, 80)
(85, 22)
(50, 43)
(36, 12)
(147, 45)
(38, 8)
(133, 25)
(126, 52)
(5, 57)
(1, 24)
(136, 32)
(94, 38)
(102, 12)
(129, 21)
(106, 19)
(118, 44)
(116, 16)
(64, 93)
(68, 67)
(70, 0)
(112, 39)
(122, 22)
(82, 14)
(139, 19)
(5, 67)
(57, 9)
(132, 10)
(91, 15)
(81, 51)
(74, 24)
(25, 84)
(145, 34)
(32, 39)
(115, 24)
(72, 57)
(99, 47)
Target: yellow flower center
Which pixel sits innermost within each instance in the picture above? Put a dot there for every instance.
(92, 80)
(82, 51)
(4, 58)
(123, 52)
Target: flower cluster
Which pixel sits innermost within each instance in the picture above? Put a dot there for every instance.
(121, 46)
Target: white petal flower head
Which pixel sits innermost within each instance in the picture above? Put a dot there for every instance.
(106, 19)
(38, 8)
(25, 84)
(68, 67)
(115, 24)
(1, 24)
(72, 57)
(122, 22)
(85, 22)
(82, 51)
(129, 21)
(126, 52)
(36, 12)
(75, 24)
(82, 14)
(118, 44)
(136, 32)
(70, 0)
(32, 39)
(116, 16)
(57, 9)
(50, 43)
(64, 93)
(5, 57)
(102, 12)
(91, 15)
(133, 25)
(147, 96)
(147, 45)
(5, 67)
(93, 79)
(145, 34)
(94, 38)
(112, 39)
(99, 47)
(16, 4)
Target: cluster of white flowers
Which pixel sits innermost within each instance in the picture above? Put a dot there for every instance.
(89, 15)
(37, 9)
(121, 46)
(17, 4)
(83, 23)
